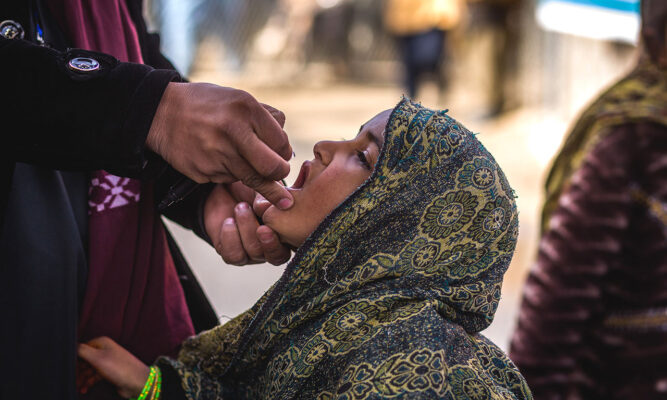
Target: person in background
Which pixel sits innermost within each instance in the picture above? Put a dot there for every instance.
(493, 41)
(420, 27)
(97, 129)
(593, 323)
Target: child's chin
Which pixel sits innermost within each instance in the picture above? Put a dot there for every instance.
(291, 242)
(292, 247)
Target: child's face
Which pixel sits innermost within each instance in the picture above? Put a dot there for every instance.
(337, 170)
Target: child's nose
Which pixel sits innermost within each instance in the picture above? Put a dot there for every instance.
(324, 151)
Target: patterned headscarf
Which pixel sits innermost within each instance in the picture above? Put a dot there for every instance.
(386, 298)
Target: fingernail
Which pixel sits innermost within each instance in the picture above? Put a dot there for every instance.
(265, 237)
(229, 221)
(242, 207)
(284, 204)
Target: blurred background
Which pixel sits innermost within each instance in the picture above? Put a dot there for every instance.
(515, 71)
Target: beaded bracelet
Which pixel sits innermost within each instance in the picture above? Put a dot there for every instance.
(158, 385)
(153, 385)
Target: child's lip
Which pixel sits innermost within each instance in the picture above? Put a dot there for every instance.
(303, 175)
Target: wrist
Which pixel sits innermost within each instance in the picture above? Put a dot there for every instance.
(155, 140)
(151, 387)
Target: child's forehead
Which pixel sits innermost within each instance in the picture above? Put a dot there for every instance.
(376, 126)
(380, 120)
(374, 134)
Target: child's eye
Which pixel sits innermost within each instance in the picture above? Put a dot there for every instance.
(364, 159)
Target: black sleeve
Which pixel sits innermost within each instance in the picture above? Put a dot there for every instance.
(171, 384)
(65, 119)
(150, 49)
(188, 212)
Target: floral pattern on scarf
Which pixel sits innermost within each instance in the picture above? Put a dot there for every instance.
(386, 298)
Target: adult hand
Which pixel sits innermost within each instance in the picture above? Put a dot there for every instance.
(235, 231)
(216, 134)
(116, 365)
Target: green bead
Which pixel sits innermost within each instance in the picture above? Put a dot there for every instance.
(149, 383)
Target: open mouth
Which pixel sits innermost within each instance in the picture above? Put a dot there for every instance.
(303, 175)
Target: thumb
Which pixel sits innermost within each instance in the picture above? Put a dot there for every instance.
(260, 205)
(101, 343)
(88, 353)
(275, 193)
(278, 115)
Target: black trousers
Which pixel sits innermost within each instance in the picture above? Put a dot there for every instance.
(422, 54)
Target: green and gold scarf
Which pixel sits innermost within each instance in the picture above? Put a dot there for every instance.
(386, 298)
(639, 97)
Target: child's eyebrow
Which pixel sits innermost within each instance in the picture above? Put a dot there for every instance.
(378, 142)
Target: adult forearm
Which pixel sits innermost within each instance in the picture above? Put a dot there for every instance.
(60, 117)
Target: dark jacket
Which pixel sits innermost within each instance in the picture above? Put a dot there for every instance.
(61, 119)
